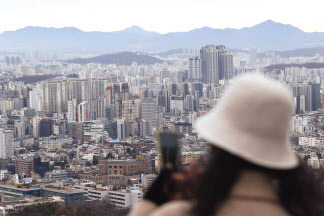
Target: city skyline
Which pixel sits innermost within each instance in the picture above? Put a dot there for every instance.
(74, 132)
(89, 90)
(181, 16)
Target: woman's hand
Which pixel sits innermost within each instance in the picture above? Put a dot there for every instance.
(171, 185)
(186, 181)
(159, 191)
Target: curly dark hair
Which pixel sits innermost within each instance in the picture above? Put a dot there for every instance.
(300, 190)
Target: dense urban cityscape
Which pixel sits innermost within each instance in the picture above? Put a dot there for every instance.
(74, 133)
(161, 108)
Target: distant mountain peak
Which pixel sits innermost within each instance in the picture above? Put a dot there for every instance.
(269, 21)
(266, 35)
(139, 31)
(206, 28)
(272, 25)
(134, 28)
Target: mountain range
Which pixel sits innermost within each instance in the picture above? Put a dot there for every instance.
(123, 58)
(266, 35)
(305, 52)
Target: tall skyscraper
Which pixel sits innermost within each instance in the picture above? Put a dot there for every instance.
(55, 96)
(111, 129)
(197, 87)
(209, 64)
(149, 113)
(122, 128)
(226, 66)
(6, 143)
(194, 69)
(253, 56)
(307, 97)
(189, 103)
(215, 64)
(100, 106)
(7, 60)
(83, 112)
(45, 127)
(72, 111)
(36, 98)
(132, 109)
(36, 121)
(314, 96)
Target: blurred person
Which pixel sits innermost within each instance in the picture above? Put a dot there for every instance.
(250, 168)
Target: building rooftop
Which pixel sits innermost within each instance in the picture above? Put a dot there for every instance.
(114, 141)
(9, 185)
(62, 189)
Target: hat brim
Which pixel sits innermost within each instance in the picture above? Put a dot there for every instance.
(255, 149)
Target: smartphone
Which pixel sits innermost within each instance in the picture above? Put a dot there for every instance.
(169, 144)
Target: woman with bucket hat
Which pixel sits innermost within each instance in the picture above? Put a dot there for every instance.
(250, 169)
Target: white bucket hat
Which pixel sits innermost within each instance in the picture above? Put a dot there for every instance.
(252, 121)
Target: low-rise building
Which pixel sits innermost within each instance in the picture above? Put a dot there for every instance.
(314, 161)
(24, 165)
(56, 175)
(14, 205)
(3, 174)
(147, 179)
(125, 198)
(69, 195)
(92, 192)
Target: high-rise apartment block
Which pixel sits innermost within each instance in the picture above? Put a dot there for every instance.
(131, 109)
(149, 113)
(194, 69)
(213, 65)
(84, 111)
(307, 97)
(6, 143)
(72, 111)
(216, 64)
(122, 128)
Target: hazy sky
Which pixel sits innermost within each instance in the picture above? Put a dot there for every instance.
(159, 15)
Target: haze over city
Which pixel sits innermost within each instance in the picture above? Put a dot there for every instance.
(125, 108)
(160, 16)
